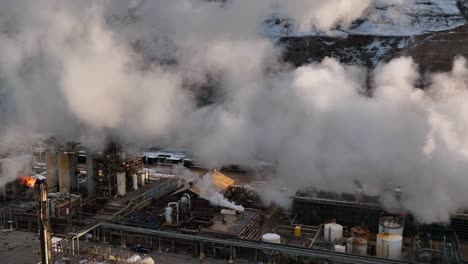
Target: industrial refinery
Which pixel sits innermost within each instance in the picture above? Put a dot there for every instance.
(231, 131)
(113, 207)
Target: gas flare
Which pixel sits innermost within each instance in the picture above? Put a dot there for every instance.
(28, 181)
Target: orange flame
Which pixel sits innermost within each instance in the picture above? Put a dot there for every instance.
(28, 181)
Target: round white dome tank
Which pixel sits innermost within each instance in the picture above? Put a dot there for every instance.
(340, 248)
(168, 214)
(391, 225)
(389, 245)
(147, 260)
(333, 232)
(271, 238)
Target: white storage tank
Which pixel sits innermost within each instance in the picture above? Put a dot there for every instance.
(121, 184)
(135, 182)
(333, 232)
(356, 245)
(389, 245)
(340, 248)
(168, 214)
(391, 225)
(142, 179)
(271, 238)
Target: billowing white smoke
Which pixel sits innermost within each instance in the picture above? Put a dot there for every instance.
(324, 15)
(321, 16)
(11, 168)
(67, 67)
(208, 189)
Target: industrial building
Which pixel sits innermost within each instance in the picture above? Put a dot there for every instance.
(113, 199)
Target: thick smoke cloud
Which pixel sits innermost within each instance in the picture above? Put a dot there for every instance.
(82, 69)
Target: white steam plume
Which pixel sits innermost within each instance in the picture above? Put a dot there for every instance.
(68, 67)
(207, 189)
(324, 15)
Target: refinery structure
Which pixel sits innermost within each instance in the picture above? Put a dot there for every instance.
(113, 207)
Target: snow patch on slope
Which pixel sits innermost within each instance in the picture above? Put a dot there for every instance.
(412, 17)
(384, 18)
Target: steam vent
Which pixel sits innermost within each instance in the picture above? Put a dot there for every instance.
(230, 131)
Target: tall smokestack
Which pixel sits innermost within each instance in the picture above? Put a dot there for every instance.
(43, 214)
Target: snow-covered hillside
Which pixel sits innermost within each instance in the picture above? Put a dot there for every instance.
(411, 17)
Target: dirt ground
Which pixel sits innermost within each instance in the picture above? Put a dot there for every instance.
(18, 247)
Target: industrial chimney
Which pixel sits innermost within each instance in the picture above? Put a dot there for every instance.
(40, 188)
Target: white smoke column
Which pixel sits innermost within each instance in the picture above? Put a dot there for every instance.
(323, 15)
(207, 189)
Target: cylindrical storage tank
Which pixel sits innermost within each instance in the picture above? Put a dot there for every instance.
(142, 179)
(168, 214)
(391, 225)
(360, 246)
(121, 184)
(297, 231)
(389, 245)
(333, 232)
(135, 182)
(340, 248)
